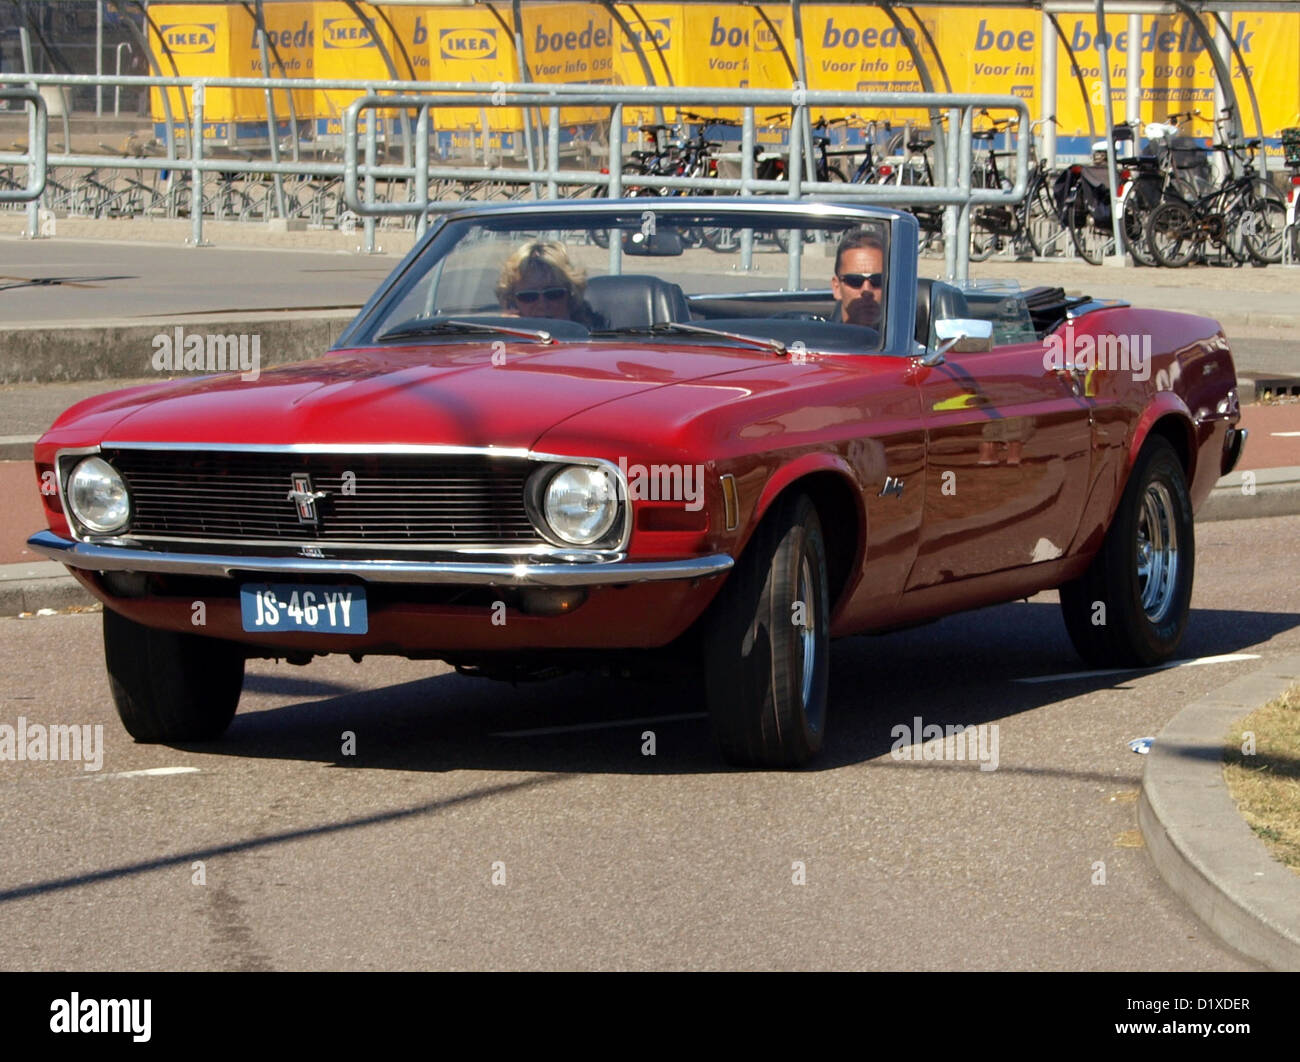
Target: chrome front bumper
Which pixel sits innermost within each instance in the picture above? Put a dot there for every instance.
(602, 570)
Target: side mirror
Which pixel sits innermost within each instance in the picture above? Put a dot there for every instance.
(962, 335)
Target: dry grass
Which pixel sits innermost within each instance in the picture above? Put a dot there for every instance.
(1266, 785)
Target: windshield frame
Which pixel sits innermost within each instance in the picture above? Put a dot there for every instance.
(447, 231)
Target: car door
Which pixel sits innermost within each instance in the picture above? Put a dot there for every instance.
(1008, 458)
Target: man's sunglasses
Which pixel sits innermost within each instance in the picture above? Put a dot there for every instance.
(856, 280)
(531, 295)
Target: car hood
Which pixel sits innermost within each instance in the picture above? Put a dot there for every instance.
(463, 394)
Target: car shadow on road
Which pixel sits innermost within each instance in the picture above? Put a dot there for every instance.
(961, 671)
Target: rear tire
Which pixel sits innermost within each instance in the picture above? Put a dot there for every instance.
(171, 687)
(766, 675)
(1172, 234)
(1130, 608)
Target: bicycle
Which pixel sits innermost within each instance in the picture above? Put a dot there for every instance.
(1237, 216)
(1029, 227)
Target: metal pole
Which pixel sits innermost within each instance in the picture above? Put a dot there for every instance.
(1133, 76)
(794, 175)
(368, 226)
(616, 183)
(1047, 89)
(801, 60)
(272, 123)
(951, 218)
(196, 173)
(746, 175)
(99, 57)
(553, 153)
(961, 268)
(524, 112)
(421, 170)
(34, 207)
(1112, 171)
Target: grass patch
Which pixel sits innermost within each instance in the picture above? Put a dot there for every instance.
(1266, 785)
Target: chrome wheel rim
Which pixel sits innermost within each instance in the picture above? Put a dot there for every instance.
(1157, 552)
(808, 631)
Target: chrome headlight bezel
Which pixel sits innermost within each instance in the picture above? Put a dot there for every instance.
(110, 479)
(606, 533)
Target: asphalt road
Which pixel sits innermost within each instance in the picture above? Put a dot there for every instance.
(313, 859)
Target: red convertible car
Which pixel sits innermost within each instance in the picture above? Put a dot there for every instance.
(562, 433)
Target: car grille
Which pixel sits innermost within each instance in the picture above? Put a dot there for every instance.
(450, 500)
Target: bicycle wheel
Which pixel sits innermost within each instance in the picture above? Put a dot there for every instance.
(1264, 229)
(1091, 241)
(1173, 234)
(983, 240)
(1135, 234)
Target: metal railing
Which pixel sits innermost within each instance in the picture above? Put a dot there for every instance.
(413, 103)
(34, 161)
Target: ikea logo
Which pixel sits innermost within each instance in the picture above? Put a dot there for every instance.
(467, 43)
(347, 33)
(765, 40)
(189, 38)
(658, 34)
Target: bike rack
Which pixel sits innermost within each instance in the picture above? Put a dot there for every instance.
(35, 160)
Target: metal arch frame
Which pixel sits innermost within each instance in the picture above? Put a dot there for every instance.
(1074, 66)
(1250, 83)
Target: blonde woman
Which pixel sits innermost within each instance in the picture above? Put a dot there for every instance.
(539, 280)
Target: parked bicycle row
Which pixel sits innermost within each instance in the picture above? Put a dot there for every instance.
(1173, 211)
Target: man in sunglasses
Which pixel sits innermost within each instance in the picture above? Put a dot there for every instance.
(539, 280)
(859, 281)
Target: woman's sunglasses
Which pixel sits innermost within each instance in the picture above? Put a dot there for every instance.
(531, 295)
(856, 280)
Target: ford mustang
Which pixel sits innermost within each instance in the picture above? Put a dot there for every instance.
(724, 431)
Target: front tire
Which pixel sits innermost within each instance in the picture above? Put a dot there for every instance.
(767, 645)
(1130, 608)
(171, 687)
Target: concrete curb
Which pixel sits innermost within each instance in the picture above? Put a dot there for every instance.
(1273, 492)
(125, 349)
(1197, 838)
(40, 584)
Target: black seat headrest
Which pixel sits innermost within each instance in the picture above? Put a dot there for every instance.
(635, 300)
(936, 301)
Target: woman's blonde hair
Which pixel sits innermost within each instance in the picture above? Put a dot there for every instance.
(548, 253)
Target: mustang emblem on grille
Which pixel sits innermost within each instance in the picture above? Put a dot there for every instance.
(305, 498)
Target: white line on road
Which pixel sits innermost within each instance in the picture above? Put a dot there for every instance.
(1230, 658)
(601, 726)
(1286, 434)
(151, 772)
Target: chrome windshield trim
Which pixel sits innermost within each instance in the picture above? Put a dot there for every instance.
(563, 570)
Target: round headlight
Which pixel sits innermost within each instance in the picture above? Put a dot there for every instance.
(581, 504)
(98, 496)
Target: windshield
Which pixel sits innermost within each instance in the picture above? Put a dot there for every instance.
(679, 278)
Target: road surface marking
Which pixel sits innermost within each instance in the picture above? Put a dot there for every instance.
(1230, 658)
(601, 726)
(1286, 434)
(151, 772)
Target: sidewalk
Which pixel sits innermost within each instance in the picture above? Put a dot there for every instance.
(1197, 838)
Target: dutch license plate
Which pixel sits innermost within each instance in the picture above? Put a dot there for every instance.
(297, 607)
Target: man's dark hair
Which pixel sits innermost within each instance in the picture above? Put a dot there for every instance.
(855, 238)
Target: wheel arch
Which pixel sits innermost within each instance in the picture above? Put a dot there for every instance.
(1168, 417)
(834, 491)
